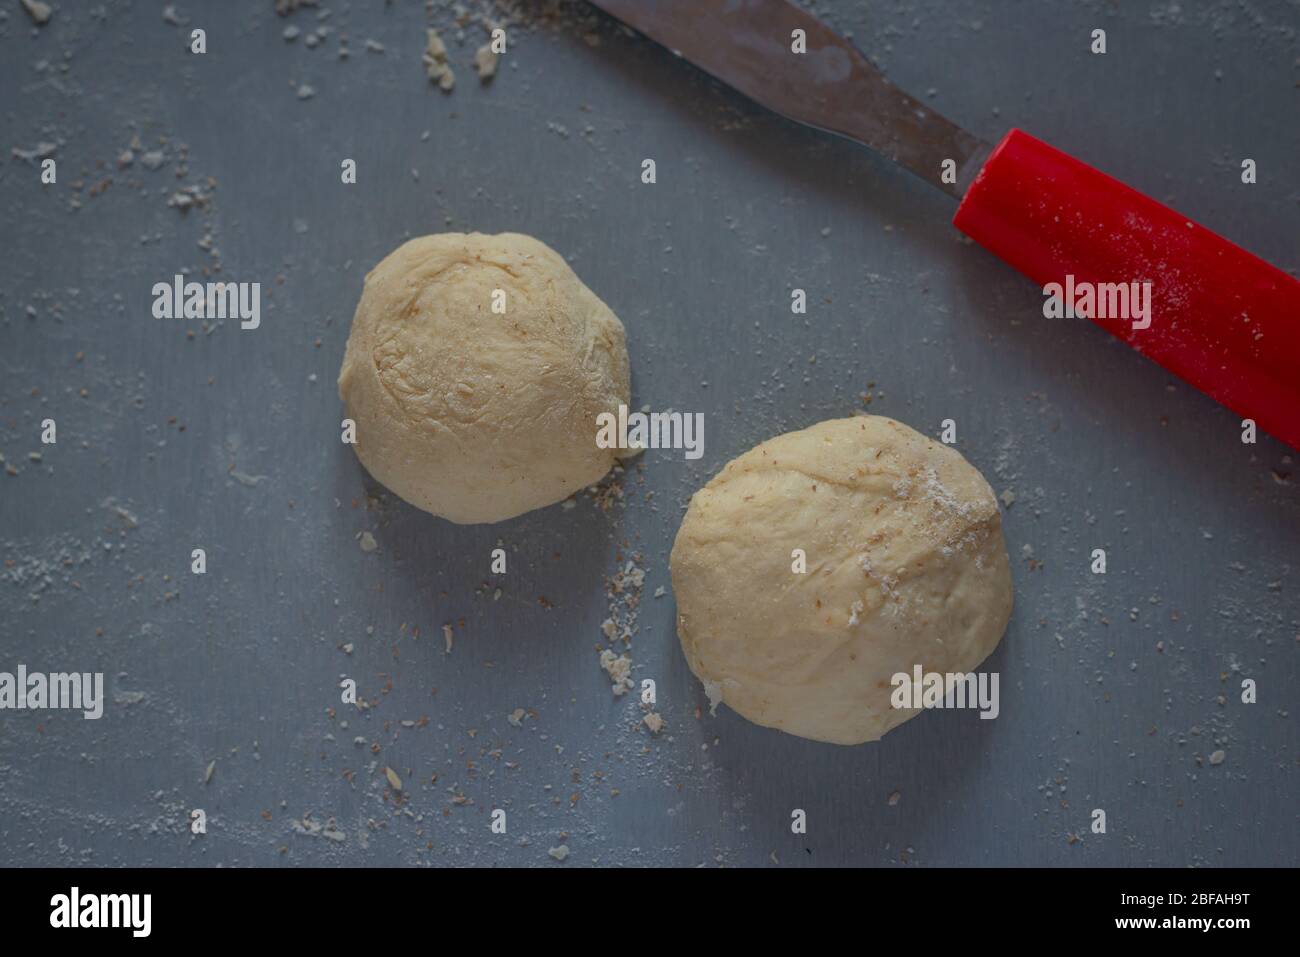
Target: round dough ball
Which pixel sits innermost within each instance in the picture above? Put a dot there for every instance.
(476, 415)
(905, 565)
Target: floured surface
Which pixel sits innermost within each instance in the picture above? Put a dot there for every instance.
(1118, 688)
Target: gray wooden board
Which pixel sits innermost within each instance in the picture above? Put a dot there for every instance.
(1109, 684)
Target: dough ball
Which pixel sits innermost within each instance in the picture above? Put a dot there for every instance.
(905, 565)
(476, 415)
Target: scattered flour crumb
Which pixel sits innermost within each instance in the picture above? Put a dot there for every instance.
(485, 63)
(619, 668)
(436, 66)
(714, 691)
(39, 12)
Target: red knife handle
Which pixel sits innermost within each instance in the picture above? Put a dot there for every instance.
(1221, 318)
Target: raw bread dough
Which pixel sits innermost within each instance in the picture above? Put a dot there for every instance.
(476, 415)
(906, 565)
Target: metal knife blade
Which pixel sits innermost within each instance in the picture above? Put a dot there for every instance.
(747, 44)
